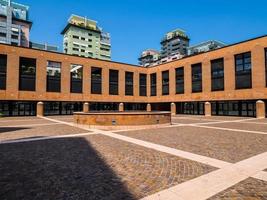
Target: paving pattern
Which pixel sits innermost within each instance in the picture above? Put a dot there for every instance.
(88, 167)
(217, 144)
(249, 189)
(167, 163)
(21, 128)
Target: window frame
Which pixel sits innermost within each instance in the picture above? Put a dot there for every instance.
(195, 81)
(213, 79)
(129, 84)
(177, 82)
(165, 82)
(97, 80)
(113, 83)
(153, 86)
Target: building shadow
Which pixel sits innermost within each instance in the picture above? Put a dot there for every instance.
(10, 129)
(65, 168)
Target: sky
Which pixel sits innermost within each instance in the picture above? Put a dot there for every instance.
(136, 25)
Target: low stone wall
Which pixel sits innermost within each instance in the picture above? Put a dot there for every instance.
(122, 118)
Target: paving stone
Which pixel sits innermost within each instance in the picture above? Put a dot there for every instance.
(249, 189)
(11, 133)
(92, 167)
(223, 145)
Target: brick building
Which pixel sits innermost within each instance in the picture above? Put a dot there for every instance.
(228, 81)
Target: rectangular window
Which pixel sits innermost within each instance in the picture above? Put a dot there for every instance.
(76, 74)
(96, 80)
(153, 84)
(217, 74)
(142, 85)
(165, 82)
(129, 83)
(197, 77)
(27, 74)
(243, 71)
(3, 66)
(179, 74)
(265, 65)
(53, 76)
(113, 82)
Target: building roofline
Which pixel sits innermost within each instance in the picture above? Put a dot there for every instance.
(84, 28)
(60, 53)
(64, 54)
(230, 45)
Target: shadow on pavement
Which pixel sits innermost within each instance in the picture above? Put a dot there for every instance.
(10, 129)
(65, 168)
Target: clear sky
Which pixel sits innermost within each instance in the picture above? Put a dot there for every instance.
(135, 25)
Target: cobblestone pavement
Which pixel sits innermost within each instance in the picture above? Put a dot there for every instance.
(100, 167)
(93, 167)
(33, 128)
(217, 144)
(249, 189)
(243, 126)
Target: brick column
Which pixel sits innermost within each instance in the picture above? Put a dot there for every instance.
(260, 109)
(40, 109)
(121, 107)
(173, 108)
(148, 107)
(86, 107)
(207, 109)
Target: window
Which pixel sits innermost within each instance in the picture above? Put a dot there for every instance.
(76, 74)
(129, 83)
(82, 38)
(153, 84)
(2, 34)
(265, 65)
(113, 82)
(90, 34)
(96, 80)
(165, 82)
(142, 84)
(243, 71)
(15, 37)
(75, 49)
(3, 66)
(27, 74)
(197, 77)
(75, 37)
(217, 74)
(179, 74)
(53, 76)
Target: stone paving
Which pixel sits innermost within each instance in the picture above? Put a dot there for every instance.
(33, 128)
(99, 166)
(249, 189)
(87, 167)
(217, 144)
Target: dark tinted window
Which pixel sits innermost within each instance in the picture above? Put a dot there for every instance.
(243, 71)
(3, 66)
(197, 77)
(217, 74)
(142, 84)
(53, 76)
(153, 84)
(165, 82)
(113, 82)
(27, 74)
(96, 80)
(179, 73)
(129, 83)
(76, 74)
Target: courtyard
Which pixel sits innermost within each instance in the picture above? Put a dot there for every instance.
(195, 158)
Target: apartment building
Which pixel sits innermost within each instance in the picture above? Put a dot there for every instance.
(14, 23)
(204, 47)
(82, 37)
(229, 81)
